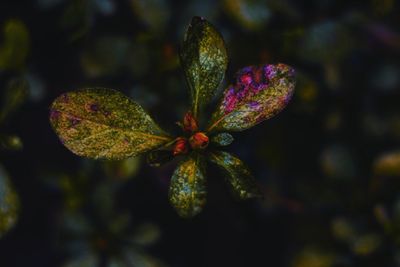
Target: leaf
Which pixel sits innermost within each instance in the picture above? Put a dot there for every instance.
(249, 14)
(239, 177)
(122, 169)
(366, 244)
(9, 203)
(146, 234)
(387, 164)
(10, 142)
(106, 56)
(222, 139)
(14, 96)
(77, 17)
(158, 158)
(259, 93)
(314, 256)
(187, 192)
(134, 256)
(154, 14)
(204, 60)
(88, 259)
(104, 124)
(15, 46)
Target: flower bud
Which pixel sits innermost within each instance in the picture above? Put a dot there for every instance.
(199, 140)
(189, 123)
(180, 147)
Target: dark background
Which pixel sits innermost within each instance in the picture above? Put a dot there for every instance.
(328, 164)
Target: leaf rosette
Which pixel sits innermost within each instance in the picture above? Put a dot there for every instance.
(102, 123)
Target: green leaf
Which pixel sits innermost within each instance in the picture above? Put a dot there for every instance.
(122, 169)
(222, 139)
(106, 56)
(259, 93)
(146, 234)
(158, 158)
(10, 142)
(239, 177)
(15, 46)
(14, 96)
(187, 192)
(134, 256)
(251, 15)
(88, 259)
(204, 60)
(9, 203)
(104, 124)
(78, 18)
(154, 14)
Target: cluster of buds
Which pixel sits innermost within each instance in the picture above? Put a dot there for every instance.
(196, 140)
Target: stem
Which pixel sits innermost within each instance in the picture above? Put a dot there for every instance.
(215, 123)
(170, 143)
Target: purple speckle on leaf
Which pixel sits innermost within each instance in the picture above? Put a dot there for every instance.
(292, 72)
(62, 141)
(54, 114)
(74, 121)
(242, 92)
(230, 100)
(270, 71)
(254, 105)
(126, 141)
(94, 107)
(64, 98)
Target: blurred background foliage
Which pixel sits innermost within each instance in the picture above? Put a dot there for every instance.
(329, 165)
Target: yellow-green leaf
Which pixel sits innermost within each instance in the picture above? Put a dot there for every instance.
(204, 60)
(15, 46)
(104, 124)
(157, 158)
(14, 96)
(259, 93)
(122, 169)
(9, 203)
(10, 142)
(187, 192)
(239, 177)
(88, 259)
(249, 14)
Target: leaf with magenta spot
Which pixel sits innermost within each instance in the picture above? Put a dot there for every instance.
(242, 183)
(259, 93)
(204, 60)
(9, 203)
(187, 192)
(104, 124)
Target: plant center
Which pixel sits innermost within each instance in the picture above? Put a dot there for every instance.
(199, 140)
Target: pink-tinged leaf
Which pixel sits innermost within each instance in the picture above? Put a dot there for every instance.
(104, 124)
(259, 93)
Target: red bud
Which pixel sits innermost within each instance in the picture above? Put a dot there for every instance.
(189, 123)
(180, 147)
(199, 140)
